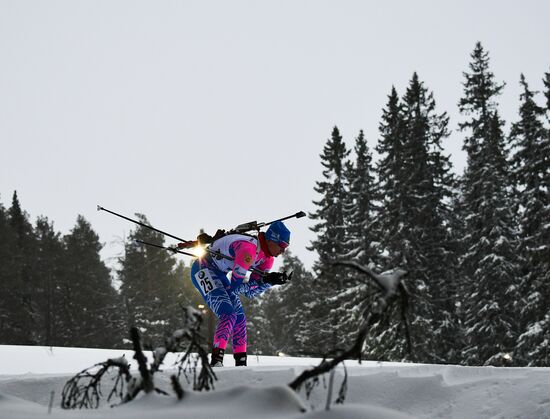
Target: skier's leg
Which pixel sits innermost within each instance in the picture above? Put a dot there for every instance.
(208, 283)
(239, 332)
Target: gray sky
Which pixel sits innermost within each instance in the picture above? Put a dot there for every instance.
(214, 113)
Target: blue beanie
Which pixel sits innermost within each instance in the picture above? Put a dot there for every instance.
(278, 233)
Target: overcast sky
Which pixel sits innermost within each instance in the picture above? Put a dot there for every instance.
(214, 113)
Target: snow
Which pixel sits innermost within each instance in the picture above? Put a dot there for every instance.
(29, 375)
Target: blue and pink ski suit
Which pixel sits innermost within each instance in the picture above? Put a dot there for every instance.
(221, 282)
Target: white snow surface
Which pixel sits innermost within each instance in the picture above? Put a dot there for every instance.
(29, 375)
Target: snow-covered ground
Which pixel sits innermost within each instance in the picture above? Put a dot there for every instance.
(30, 375)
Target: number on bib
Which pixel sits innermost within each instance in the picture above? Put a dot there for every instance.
(205, 281)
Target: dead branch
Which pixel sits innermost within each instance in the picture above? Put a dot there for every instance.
(392, 287)
(84, 389)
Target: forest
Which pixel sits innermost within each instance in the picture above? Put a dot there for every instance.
(476, 248)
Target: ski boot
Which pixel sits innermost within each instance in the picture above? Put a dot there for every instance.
(240, 359)
(217, 357)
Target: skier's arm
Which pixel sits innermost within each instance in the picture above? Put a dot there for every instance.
(243, 253)
(252, 288)
(255, 285)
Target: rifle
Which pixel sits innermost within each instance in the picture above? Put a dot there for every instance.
(202, 238)
(205, 238)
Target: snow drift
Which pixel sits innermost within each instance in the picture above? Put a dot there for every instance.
(29, 375)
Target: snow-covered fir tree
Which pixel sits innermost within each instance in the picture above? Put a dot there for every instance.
(531, 173)
(330, 245)
(360, 205)
(490, 265)
(429, 246)
(384, 341)
(361, 239)
(390, 171)
(416, 184)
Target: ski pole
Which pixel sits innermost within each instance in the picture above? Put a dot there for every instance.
(100, 208)
(211, 252)
(253, 270)
(171, 249)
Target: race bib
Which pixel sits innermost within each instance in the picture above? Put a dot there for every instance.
(206, 282)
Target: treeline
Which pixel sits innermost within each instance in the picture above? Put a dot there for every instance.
(56, 290)
(477, 247)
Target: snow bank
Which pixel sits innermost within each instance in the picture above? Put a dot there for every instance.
(379, 391)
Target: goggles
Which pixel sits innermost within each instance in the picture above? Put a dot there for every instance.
(283, 245)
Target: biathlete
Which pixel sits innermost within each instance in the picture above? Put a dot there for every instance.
(221, 282)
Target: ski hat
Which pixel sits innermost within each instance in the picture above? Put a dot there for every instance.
(278, 233)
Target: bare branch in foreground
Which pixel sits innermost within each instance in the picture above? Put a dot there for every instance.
(392, 288)
(84, 389)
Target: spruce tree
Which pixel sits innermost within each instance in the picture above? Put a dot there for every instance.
(384, 341)
(21, 301)
(150, 286)
(329, 244)
(531, 173)
(360, 205)
(390, 171)
(92, 307)
(489, 266)
(361, 239)
(330, 229)
(430, 259)
(416, 183)
(10, 330)
(49, 269)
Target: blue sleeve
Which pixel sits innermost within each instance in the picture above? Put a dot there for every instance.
(252, 288)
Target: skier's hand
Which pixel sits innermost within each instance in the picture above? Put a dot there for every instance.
(277, 278)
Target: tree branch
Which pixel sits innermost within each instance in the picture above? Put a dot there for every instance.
(390, 284)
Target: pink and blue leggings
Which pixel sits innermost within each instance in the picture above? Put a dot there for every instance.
(214, 288)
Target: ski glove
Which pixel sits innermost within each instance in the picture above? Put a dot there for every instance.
(277, 278)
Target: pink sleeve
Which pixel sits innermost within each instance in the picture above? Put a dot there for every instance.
(245, 254)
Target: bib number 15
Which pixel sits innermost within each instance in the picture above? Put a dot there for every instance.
(205, 281)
